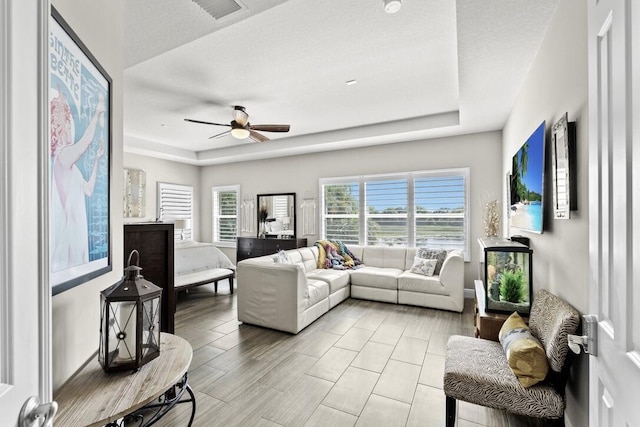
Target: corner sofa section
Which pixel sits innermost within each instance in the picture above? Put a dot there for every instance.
(290, 296)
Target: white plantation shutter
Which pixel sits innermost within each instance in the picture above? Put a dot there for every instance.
(225, 213)
(386, 212)
(440, 211)
(280, 206)
(426, 208)
(341, 212)
(175, 201)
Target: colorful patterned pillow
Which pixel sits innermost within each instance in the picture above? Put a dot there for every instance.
(426, 267)
(525, 355)
(437, 254)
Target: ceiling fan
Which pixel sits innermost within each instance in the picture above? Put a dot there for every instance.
(241, 128)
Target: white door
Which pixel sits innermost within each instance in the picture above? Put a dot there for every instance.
(614, 210)
(24, 287)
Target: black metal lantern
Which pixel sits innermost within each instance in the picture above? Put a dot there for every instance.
(129, 321)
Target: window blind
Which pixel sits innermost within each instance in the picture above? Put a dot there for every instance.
(175, 201)
(225, 214)
(424, 208)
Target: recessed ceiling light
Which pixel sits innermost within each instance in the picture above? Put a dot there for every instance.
(351, 82)
(392, 6)
(164, 125)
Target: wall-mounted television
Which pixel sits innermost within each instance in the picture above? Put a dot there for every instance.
(527, 184)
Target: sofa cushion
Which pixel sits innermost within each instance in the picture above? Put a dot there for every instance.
(337, 279)
(413, 282)
(438, 254)
(426, 267)
(317, 290)
(384, 257)
(376, 277)
(309, 257)
(281, 257)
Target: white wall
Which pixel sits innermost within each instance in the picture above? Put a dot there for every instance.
(300, 174)
(158, 170)
(557, 83)
(76, 312)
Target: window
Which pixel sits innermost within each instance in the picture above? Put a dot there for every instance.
(427, 208)
(175, 201)
(225, 214)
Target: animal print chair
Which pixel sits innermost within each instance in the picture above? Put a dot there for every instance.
(476, 370)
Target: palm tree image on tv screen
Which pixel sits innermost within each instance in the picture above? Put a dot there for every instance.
(527, 183)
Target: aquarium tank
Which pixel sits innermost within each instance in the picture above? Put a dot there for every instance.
(507, 275)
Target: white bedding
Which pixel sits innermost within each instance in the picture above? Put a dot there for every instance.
(193, 256)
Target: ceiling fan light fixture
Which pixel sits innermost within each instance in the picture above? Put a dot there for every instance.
(392, 6)
(240, 133)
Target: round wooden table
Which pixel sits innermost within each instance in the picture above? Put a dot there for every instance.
(96, 398)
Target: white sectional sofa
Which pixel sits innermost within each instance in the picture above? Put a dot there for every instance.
(289, 296)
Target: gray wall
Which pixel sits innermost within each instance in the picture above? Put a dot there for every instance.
(158, 170)
(300, 174)
(557, 83)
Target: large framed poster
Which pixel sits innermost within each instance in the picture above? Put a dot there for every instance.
(80, 166)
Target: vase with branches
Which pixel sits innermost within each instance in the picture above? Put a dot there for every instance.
(263, 214)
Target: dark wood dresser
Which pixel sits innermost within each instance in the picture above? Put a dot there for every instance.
(154, 242)
(251, 247)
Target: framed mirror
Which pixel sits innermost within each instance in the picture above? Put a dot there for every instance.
(277, 215)
(563, 167)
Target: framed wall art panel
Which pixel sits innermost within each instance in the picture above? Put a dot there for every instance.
(80, 164)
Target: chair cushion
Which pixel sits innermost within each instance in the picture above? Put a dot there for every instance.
(551, 320)
(525, 355)
(476, 371)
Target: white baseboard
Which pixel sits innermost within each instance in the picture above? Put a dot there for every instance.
(469, 293)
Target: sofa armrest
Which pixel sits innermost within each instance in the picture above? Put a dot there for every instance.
(271, 295)
(452, 277)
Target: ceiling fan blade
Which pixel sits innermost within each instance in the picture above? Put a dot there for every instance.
(220, 135)
(257, 137)
(207, 123)
(270, 128)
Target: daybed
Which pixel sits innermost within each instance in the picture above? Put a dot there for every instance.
(288, 296)
(199, 263)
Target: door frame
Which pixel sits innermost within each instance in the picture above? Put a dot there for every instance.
(9, 274)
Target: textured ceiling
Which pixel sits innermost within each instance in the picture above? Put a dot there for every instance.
(435, 68)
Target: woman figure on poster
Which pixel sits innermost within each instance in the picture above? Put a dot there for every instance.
(70, 243)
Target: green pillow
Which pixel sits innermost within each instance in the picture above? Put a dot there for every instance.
(525, 354)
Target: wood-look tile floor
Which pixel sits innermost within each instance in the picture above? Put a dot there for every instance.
(363, 363)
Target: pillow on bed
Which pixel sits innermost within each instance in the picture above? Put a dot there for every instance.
(525, 355)
(426, 267)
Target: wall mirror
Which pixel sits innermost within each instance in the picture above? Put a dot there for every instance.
(563, 167)
(277, 215)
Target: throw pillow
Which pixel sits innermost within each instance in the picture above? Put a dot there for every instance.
(525, 354)
(281, 258)
(437, 254)
(423, 266)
